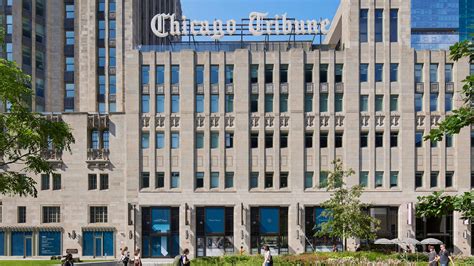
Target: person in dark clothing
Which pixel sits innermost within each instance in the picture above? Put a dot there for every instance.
(432, 256)
(184, 260)
(444, 256)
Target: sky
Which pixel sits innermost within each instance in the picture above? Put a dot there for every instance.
(237, 9)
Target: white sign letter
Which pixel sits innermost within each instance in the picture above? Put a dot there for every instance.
(158, 25)
(256, 17)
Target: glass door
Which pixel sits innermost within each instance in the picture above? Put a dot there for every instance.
(28, 246)
(98, 245)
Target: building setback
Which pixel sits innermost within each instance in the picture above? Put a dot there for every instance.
(213, 149)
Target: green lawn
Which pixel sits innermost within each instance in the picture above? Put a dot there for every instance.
(28, 262)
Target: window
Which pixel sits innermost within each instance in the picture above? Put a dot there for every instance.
(253, 180)
(364, 103)
(268, 103)
(39, 87)
(98, 214)
(26, 28)
(39, 60)
(214, 74)
(174, 140)
(393, 72)
(160, 103)
(9, 24)
(323, 73)
(26, 56)
(101, 6)
(323, 102)
(393, 139)
(70, 11)
(308, 140)
(268, 74)
(21, 214)
(433, 72)
(112, 84)
(364, 179)
(418, 102)
(433, 102)
(254, 140)
(448, 73)
(449, 141)
(448, 102)
(378, 179)
(364, 71)
(145, 140)
(214, 140)
(378, 139)
(364, 139)
(434, 179)
(95, 139)
(254, 103)
(378, 103)
(323, 140)
(308, 180)
(338, 139)
(199, 179)
(70, 38)
(378, 72)
(338, 72)
(229, 103)
(393, 25)
(418, 179)
(339, 102)
(229, 74)
(419, 139)
(160, 180)
(199, 140)
(323, 179)
(283, 73)
(92, 181)
(112, 29)
(363, 28)
(283, 103)
(308, 102)
(393, 103)
(254, 73)
(145, 180)
(215, 180)
(104, 181)
(9, 50)
(418, 73)
(174, 103)
(229, 180)
(229, 140)
(45, 182)
(145, 103)
(269, 140)
(160, 75)
(112, 57)
(174, 75)
(39, 33)
(268, 179)
(283, 139)
(449, 179)
(433, 144)
(214, 103)
(51, 214)
(56, 181)
(393, 179)
(145, 72)
(378, 25)
(175, 180)
(112, 7)
(308, 73)
(283, 179)
(101, 30)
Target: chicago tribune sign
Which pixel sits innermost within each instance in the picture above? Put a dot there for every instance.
(164, 25)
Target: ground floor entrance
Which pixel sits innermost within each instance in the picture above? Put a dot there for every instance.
(214, 231)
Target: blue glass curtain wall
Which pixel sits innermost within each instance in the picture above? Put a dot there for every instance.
(269, 226)
(98, 243)
(214, 230)
(160, 232)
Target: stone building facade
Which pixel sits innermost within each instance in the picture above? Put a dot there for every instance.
(214, 150)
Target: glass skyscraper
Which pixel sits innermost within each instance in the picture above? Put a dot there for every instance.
(436, 25)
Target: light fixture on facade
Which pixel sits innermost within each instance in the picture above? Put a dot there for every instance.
(410, 213)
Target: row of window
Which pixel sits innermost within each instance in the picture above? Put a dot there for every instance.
(378, 25)
(52, 214)
(53, 181)
(69, 41)
(434, 179)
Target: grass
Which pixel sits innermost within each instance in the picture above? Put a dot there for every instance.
(30, 262)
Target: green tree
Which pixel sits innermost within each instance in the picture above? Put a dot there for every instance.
(25, 135)
(463, 116)
(345, 213)
(439, 204)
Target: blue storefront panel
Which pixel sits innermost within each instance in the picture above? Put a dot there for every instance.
(22, 243)
(269, 220)
(49, 243)
(2, 243)
(215, 220)
(160, 235)
(160, 219)
(98, 244)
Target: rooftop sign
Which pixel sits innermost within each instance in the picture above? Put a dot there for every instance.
(258, 24)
